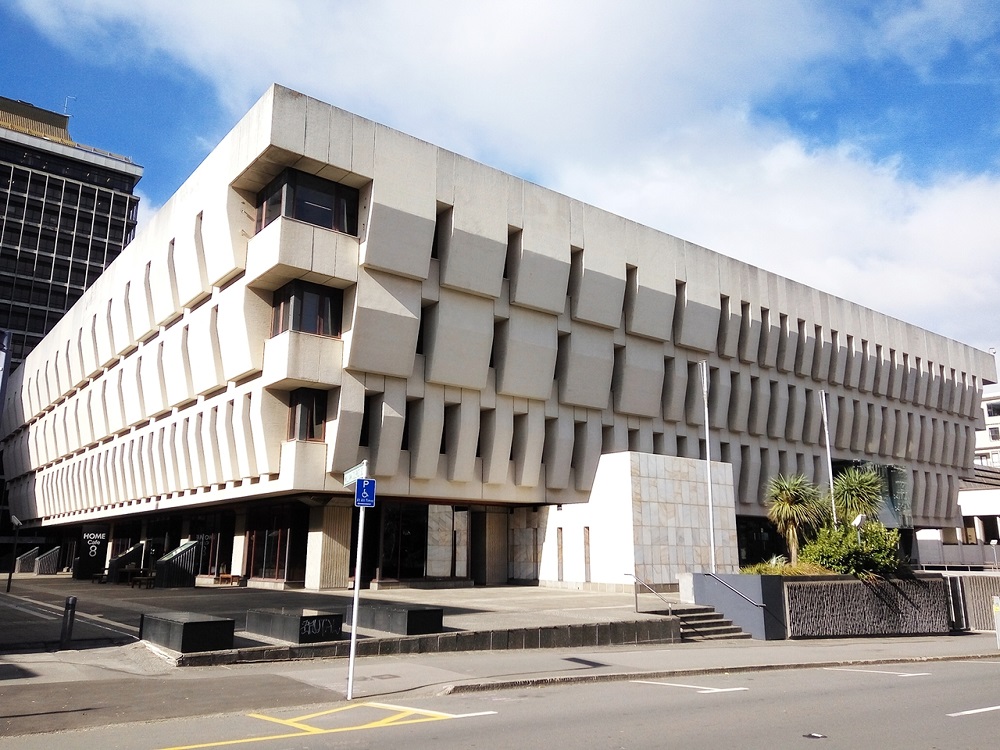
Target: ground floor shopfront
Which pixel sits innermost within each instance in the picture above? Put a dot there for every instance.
(648, 517)
(299, 542)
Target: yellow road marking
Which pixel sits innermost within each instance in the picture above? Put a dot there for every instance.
(401, 717)
(286, 722)
(390, 707)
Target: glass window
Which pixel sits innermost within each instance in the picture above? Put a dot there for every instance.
(60, 270)
(993, 409)
(309, 308)
(994, 433)
(311, 199)
(307, 414)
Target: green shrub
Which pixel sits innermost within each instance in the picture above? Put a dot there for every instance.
(772, 568)
(837, 548)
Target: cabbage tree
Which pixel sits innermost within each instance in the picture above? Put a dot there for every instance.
(794, 505)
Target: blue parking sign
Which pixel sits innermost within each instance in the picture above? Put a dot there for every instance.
(364, 493)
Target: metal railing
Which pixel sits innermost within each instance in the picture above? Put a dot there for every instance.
(26, 563)
(179, 567)
(640, 582)
(48, 563)
(735, 591)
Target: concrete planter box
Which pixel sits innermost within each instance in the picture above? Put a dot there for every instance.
(187, 632)
(399, 618)
(827, 606)
(296, 625)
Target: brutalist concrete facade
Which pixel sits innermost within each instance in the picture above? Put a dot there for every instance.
(490, 340)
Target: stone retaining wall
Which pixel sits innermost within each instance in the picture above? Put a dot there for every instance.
(837, 608)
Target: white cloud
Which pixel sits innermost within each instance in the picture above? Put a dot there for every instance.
(147, 209)
(642, 107)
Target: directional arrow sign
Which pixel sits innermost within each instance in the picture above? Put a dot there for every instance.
(364, 493)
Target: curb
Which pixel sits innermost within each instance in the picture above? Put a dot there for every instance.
(639, 632)
(479, 687)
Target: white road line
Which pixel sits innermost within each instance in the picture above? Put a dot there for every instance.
(975, 711)
(33, 613)
(699, 688)
(878, 671)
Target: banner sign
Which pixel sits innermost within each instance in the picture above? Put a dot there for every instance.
(92, 554)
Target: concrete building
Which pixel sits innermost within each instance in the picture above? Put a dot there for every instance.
(519, 369)
(973, 543)
(988, 438)
(66, 212)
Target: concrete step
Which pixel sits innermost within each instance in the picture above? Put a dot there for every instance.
(738, 635)
(700, 623)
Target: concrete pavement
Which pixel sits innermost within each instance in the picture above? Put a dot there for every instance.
(94, 683)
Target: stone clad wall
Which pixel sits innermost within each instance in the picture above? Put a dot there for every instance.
(447, 529)
(671, 517)
(647, 517)
(837, 608)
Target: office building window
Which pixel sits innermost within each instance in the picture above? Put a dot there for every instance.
(993, 409)
(994, 433)
(310, 199)
(307, 414)
(309, 308)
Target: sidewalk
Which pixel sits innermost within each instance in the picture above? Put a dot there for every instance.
(33, 678)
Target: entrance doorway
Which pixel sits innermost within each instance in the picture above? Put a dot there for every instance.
(403, 541)
(488, 545)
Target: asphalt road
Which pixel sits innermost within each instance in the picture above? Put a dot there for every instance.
(950, 705)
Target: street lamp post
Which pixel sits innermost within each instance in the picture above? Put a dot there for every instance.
(829, 454)
(703, 365)
(16, 523)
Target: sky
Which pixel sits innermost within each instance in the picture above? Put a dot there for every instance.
(848, 144)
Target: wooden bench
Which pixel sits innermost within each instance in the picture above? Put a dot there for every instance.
(144, 582)
(226, 579)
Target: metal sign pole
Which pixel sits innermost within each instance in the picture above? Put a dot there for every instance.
(354, 613)
(364, 497)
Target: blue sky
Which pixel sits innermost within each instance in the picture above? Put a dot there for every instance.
(850, 145)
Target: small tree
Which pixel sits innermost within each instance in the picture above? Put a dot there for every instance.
(793, 505)
(858, 490)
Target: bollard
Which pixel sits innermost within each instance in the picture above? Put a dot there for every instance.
(67, 626)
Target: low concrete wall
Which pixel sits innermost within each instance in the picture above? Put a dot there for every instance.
(973, 601)
(827, 606)
(760, 611)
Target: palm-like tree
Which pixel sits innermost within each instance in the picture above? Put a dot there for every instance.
(858, 490)
(793, 505)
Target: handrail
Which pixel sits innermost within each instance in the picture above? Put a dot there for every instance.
(635, 589)
(738, 593)
(48, 562)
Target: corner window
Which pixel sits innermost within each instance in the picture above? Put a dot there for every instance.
(311, 199)
(307, 414)
(309, 308)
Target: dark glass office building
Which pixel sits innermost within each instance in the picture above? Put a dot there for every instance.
(66, 212)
